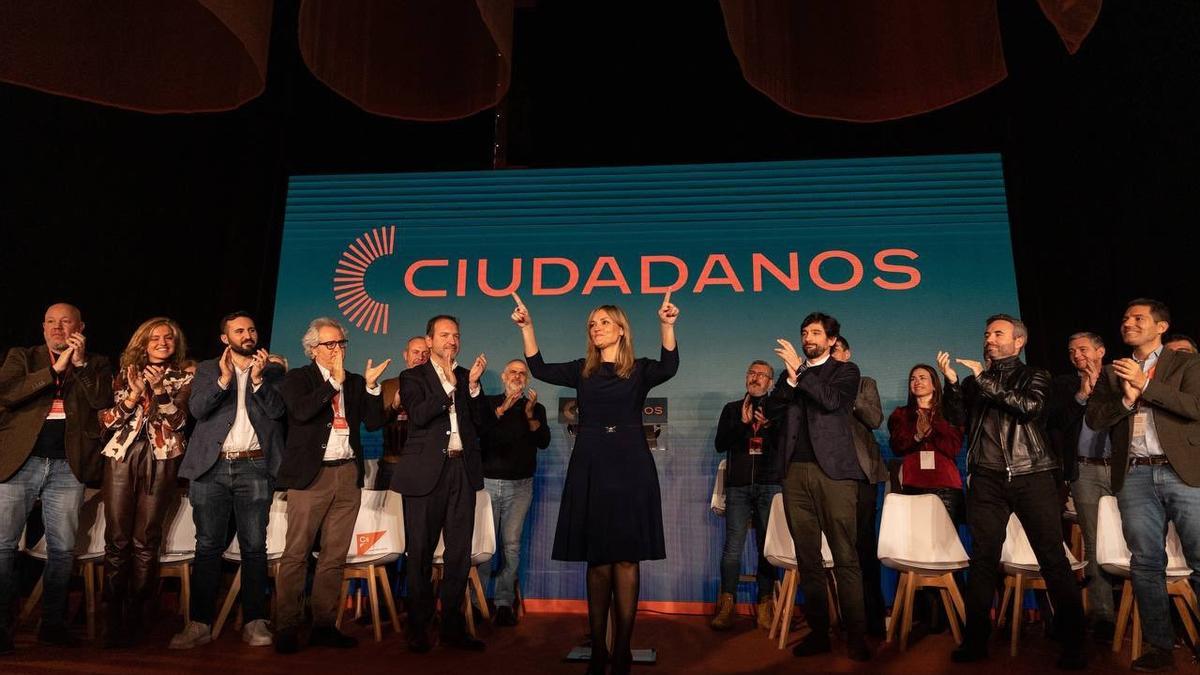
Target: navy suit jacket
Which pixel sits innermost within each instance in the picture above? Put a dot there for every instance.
(420, 463)
(215, 408)
(827, 396)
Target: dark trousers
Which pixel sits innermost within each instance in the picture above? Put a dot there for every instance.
(868, 557)
(137, 492)
(991, 498)
(816, 503)
(241, 487)
(448, 509)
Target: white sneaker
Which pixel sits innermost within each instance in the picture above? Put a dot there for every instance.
(256, 634)
(193, 635)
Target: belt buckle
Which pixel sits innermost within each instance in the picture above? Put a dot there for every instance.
(610, 430)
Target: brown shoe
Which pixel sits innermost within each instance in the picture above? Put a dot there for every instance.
(765, 612)
(725, 608)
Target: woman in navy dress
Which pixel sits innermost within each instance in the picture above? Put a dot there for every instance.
(611, 513)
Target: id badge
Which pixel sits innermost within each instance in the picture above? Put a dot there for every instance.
(927, 463)
(756, 443)
(1139, 425)
(340, 427)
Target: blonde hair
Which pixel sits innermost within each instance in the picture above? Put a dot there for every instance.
(135, 352)
(625, 358)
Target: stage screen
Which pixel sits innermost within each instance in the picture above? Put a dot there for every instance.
(911, 254)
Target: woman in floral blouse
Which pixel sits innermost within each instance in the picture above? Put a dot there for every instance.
(145, 442)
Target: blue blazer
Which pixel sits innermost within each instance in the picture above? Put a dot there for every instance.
(215, 408)
(827, 397)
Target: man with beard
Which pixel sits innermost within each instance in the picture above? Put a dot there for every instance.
(819, 465)
(439, 473)
(1085, 454)
(395, 432)
(751, 482)
(49, 447)
(509, 460)
(1011, 469)
(1152, 402)
(231, 461)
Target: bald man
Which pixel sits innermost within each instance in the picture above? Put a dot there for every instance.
(49, 447)
(415, 353)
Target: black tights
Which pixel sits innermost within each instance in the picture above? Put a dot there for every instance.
(615, 586)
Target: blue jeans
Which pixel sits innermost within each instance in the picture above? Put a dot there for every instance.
(1150, 497)
(510, 505)
(747, 505)
(243, 486)
(62, 496)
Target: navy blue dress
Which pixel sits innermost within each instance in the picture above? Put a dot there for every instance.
(611, 506)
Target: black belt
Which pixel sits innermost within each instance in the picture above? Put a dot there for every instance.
(336, 462)
(453, 454)
(1156, 460)
(1094, 461)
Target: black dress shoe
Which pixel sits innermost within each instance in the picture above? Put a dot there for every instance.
(57, 635)
(330, 636)
(811, 646)
(287, 641)
(1155, 660)
(419, 644)
(505, 616)
(463, 642)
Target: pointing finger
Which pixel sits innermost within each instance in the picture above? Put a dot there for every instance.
(517, 299)
(667, 298)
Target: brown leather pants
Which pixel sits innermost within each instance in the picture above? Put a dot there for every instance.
(137, 492)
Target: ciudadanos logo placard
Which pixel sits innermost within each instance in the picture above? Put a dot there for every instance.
(835, 270)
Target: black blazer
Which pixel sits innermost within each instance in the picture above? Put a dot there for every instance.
(827, 395)
(309, 401)
(1064, 421)
(420, 462)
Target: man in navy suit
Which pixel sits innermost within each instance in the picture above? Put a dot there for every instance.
(439, 472)
(811, 409)
(231, 461)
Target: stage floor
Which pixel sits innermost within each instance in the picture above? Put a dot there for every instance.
(685, 644)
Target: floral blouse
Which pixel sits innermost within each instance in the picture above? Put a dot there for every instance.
(161, 417)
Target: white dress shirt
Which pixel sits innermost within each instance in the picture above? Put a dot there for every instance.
(241, 435)
(455, 442)
(338, 445)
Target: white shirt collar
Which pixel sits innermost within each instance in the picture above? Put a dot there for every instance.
(816, 362)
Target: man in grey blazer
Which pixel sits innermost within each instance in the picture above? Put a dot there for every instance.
(231, 461)
(865, 419)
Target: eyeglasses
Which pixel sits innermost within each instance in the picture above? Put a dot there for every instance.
(335, 344)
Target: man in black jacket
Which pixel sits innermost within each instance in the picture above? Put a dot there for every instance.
(1011, 469)
(438, 473)
(751, 482)
(1086, 455)
(818, 463)
(322, 471)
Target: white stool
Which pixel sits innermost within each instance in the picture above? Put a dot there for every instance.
(89, 558)
(918, 539)
(276, 539)
(378, 541)
(780, 551)
(179, 551)
(483, 547)
(1022, 573)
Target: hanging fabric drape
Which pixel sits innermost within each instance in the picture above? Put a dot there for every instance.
(875, 60)
(418, 60)
(157, 56)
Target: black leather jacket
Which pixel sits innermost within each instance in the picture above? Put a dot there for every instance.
(1008, 401)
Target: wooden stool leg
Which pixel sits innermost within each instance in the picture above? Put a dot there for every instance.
(777, 603)
(473, 582)
(1018, 600)
(1136, 647)
(373, 593)
(337, 622)
(789, 604)
(958, 600)
(230, 598)
(1185, 617)
(386, 584)
(1123, 615)
(1002, 616)
(185, 592)
(906, 621)
(898, 606)
(951, 615)
(89, 599)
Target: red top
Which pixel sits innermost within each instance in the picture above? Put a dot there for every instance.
(945, 440)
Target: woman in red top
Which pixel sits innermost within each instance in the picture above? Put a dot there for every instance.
(928, 442)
